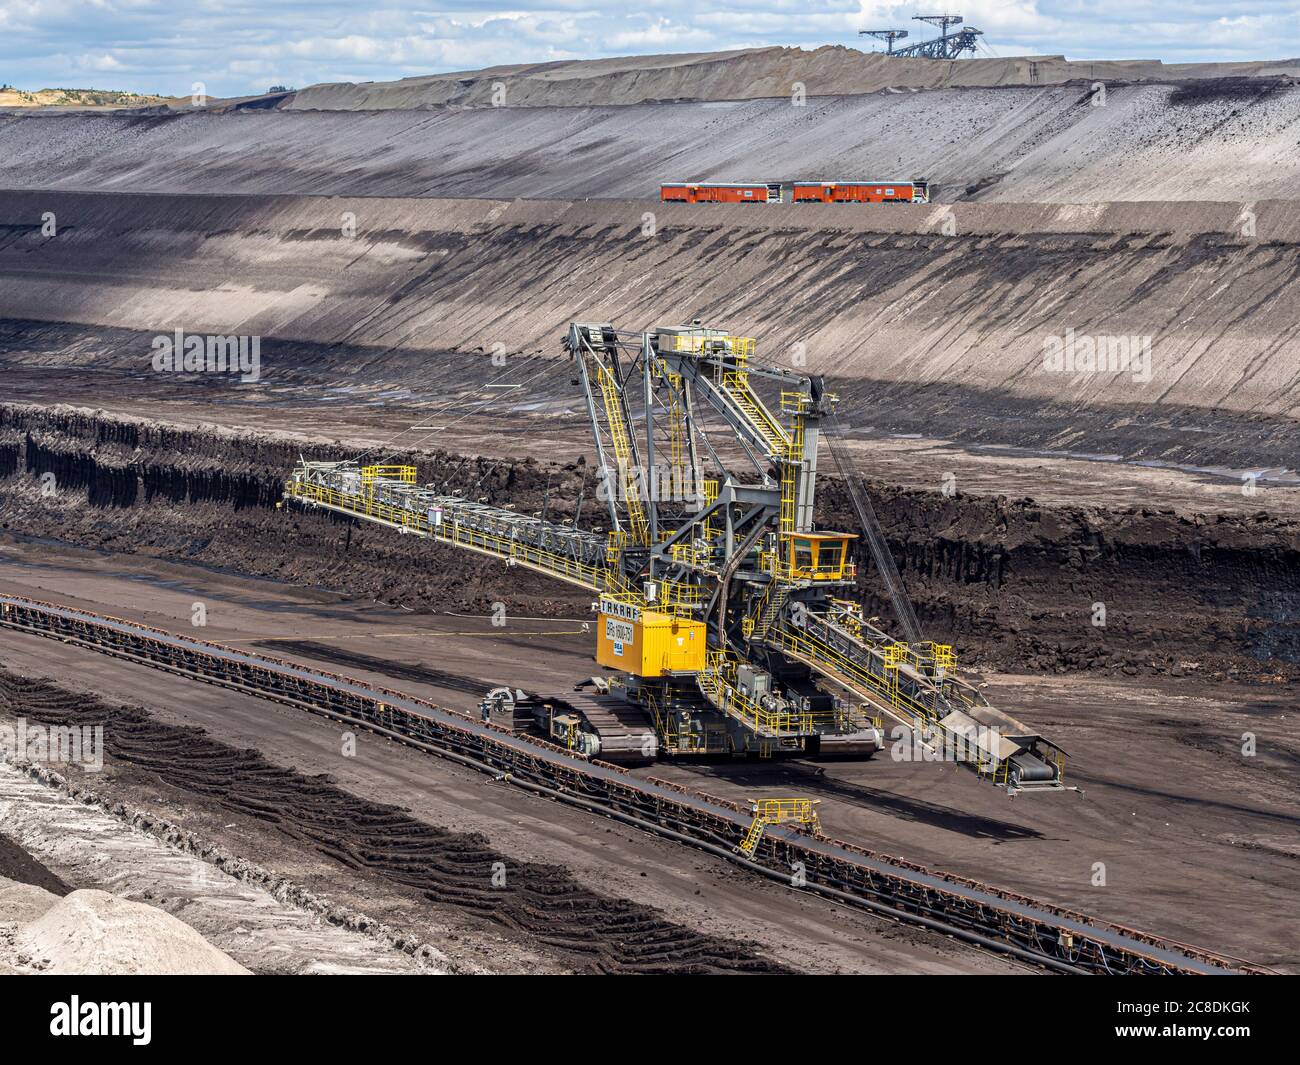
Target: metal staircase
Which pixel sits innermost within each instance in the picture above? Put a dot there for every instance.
(778, 593)
(735, 386)
(778, 812)
(615, 424)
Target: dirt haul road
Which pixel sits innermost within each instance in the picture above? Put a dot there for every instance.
(409, 839)
(1177, 817)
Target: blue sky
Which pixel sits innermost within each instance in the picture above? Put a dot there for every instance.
(241, 46)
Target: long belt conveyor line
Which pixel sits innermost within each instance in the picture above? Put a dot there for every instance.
(1058, 939)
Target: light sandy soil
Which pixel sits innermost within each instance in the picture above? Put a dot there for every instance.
(1184, 824)
(90, 847)
(81, 99)
(94, 933)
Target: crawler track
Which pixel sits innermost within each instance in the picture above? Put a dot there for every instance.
(1058, 939)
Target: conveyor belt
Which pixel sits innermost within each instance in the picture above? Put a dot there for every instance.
(1059, 939)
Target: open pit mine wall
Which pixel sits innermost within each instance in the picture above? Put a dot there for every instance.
(909, 323)
(875, 295)
(1011, 583)
(1200, 141)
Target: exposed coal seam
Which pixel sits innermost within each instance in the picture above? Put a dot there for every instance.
(1011, 581)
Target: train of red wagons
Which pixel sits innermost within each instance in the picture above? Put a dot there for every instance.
(915, 191)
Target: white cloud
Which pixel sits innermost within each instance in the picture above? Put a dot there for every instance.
(240, 46)
(663, 34)
(99, 62)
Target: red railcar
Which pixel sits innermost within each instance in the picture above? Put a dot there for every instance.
(721, 192)
(915, 191)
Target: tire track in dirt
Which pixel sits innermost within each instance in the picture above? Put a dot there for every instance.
(541, 903)
(355, 660)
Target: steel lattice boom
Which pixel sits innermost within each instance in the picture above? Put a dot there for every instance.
(950, 44)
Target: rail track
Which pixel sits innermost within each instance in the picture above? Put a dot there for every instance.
(1033, 931)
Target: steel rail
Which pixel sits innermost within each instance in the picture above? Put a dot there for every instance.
(1057, 938)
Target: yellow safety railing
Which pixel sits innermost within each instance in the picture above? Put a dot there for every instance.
(718, 682)
(819, 653)
(776, 812)
(688, 554)
(942, 655)
(736, 385)
(678, 432)
(564, 731)
(765, 608)
(794, 402)
(621, 440)
(790, 478)
(710, 497)
(926, 657)
(674, 597)
(401, 474)
(676, 736)
(905, 708)
(695, 343)
(779, 811)
(679, 597)
(614, 543)
(772, 562)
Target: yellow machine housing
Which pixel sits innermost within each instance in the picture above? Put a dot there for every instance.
(648, 643)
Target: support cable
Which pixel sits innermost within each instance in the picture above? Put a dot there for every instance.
(875, 536)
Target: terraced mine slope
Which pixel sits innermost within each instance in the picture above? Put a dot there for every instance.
(1203, 140)
(923, 332)
(381, 241)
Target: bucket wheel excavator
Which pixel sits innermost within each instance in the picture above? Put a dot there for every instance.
(727, 612)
